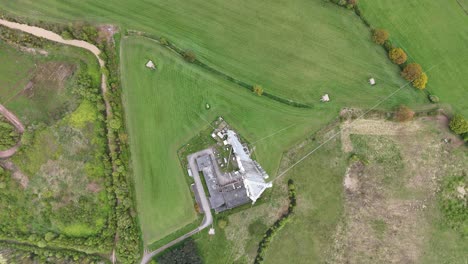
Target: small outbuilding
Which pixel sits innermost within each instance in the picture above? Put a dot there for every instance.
(325, 98)
(150, 64)
(372, 81)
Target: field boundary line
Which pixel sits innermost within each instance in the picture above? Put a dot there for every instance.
(341, 129)
(249, 87)
(462, 7)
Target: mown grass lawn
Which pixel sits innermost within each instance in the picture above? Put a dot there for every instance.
(434, 34)
(296, 49)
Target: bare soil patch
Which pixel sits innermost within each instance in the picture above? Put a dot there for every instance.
(93, 187)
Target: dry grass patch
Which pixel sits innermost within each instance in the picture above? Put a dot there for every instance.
(390, 197)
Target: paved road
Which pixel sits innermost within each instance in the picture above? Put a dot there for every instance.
(205, 205)
(208, 218)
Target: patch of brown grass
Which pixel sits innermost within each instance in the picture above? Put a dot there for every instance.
(382, 223)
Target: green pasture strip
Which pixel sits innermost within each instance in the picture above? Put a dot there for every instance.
(435, 35)
(296, 50)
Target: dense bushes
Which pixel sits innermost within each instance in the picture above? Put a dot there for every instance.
(81, 31)
(278, 225)
(459, 125)
(421, 81)
(129, 243)
(189, 56)
(185, 254)
(379, 36)
(21, 252)
(433, 98)
(411, 72)
(18, 38)
(257, 89)
(404, 114)
(397, 55)
(8, 134)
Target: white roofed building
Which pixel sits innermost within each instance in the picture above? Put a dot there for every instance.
(150, 64)
(325, 98)
(253, 175)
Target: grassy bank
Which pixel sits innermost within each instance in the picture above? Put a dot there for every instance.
(435, 35)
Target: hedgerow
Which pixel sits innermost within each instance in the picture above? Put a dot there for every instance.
(278, 225)
(191, 57)
(129, 243)
(8, 134)
(118, 186)
(381, 37)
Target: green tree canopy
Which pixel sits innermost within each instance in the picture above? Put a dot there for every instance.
(412, 71)
(379, 36)
(397, 55)
(420, 82)
(257, 89)
(459, 124)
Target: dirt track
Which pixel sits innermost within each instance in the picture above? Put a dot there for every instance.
(19, 127)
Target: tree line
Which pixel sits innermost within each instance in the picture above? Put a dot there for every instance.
(278, 225)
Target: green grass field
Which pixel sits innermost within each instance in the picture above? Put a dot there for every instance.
(166, 107)
(297, 50)
(15, 74)
(434, 34)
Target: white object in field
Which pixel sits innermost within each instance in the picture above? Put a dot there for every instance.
(225, 142)
(150, 64)
(190, 172)
(211, 231)
(372, 81)
(325, 98)
(213, 135)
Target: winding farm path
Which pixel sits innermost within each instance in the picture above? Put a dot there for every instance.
(43, 33)
(205, 205)
(19, 127)
(46, 34)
